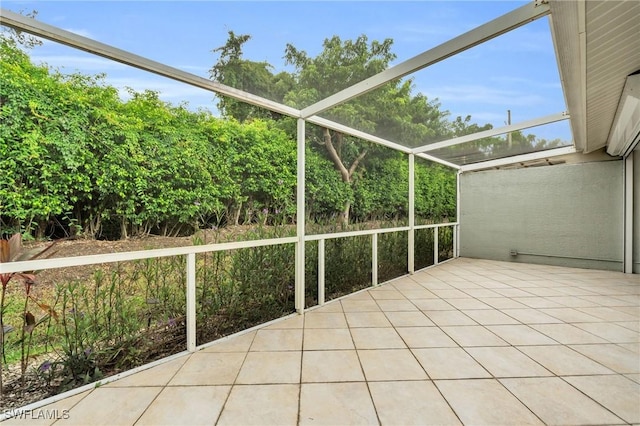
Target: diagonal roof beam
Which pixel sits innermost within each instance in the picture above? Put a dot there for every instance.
(49, 32)
(505, 161)
(505, 23)
(494, 132)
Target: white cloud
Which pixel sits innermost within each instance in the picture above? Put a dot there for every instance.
(89, 64)
(171, 91)
(479, 94)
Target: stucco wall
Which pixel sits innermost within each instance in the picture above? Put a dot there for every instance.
(568, 215)
(636, 209)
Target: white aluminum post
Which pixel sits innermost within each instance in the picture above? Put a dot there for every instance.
(628, 214)
(191, 302)
(300, 218)
(435, 245)
(374, 259)
(456, 228)
(321, 272)
(412, 223)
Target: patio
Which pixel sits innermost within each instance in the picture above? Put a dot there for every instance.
(468, 341)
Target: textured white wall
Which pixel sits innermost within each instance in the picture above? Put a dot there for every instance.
(568, 215)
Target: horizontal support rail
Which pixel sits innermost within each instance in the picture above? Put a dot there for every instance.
(353, 233)
(95, 259)
(435, 225)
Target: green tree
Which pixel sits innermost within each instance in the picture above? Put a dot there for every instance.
(392, 111)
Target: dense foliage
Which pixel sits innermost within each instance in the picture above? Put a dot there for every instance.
(77, 159)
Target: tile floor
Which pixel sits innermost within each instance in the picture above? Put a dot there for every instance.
(467, 342)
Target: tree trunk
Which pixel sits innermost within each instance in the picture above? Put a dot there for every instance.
(345, 174)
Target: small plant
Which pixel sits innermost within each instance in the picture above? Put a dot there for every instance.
(10, 251)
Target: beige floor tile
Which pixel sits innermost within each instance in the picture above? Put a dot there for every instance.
(489, 317)
(46, 415)
(376, 338)
(563, 361)
(617, 393)
(367, 319)
(206, 368)
(613, 333)
(502, 302)
(386, 293)
(450, 293)
(397, 305)
(614, 357)
(292, 322)
(433, 305)
(521, 335)
(331, 366)
(544, 291)
(233, 344)
(154, 376)
(634, 377)
(633, 347)
(480, 293)
(112, 406)
(324, 338)
(362, 296)
(572, 301)
(186, 405)
(537, 302)
(443, 318)
(350, 305)
(418, 294)
(506, 361)
(473, 335)
(390, 364)
(434, 284)
(609, 314)
(631, 325)
(425, 337)
(514, 292)
(334, 306)
(557, 403)
(270, 367)
(486, 402)
(467, 303)
(261, 405)
(325, 320)
(570, 315)
(567, 334)
(449, 363)
(531, 316)
(277, 340)
(336, 404)
(403, 284)
(411, 403)
(409, 319)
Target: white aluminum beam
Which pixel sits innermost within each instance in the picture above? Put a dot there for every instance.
(49, 32)
(323, 122)
(519, 158)
(494, 132)
(505, 23)
(439, 161)
(628, 215)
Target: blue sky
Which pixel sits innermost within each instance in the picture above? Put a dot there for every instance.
(517, 71)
